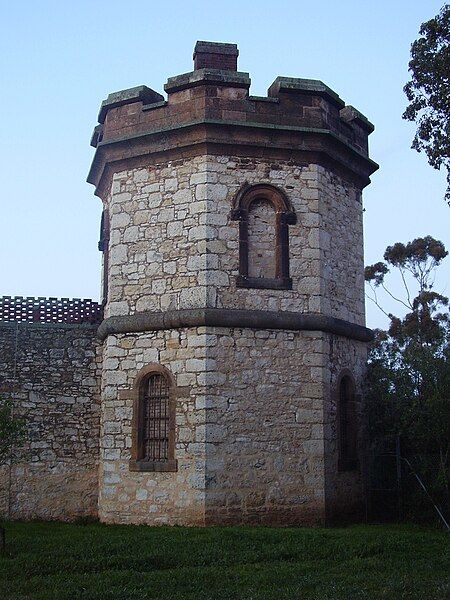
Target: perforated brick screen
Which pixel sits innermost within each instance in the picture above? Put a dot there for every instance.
(49, 310)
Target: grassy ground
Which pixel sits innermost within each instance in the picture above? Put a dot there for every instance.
(57, 561)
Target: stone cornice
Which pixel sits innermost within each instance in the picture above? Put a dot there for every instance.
(269, 137)
(216, 317)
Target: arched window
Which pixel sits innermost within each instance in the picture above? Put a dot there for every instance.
(103, 246)
(264, 213)
(153, 432)
(347, 424)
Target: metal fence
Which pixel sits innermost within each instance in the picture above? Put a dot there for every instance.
(402, 485)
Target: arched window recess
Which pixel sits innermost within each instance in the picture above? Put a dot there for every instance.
(153, 426)
(347, 422)
(103, 246)
(264, 213)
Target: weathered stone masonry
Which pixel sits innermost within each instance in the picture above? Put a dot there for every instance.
(233, 260)
(255, 358)
(51, 373)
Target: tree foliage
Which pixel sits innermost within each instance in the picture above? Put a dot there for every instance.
(12, 434)
(12, 430)
(428, 91)
(408, 378)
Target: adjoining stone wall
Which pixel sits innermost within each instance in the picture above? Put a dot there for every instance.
(51, 372)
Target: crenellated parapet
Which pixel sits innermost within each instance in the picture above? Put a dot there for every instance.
(210, 111)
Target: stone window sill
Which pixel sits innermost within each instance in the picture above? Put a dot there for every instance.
(261, 283)
(158, 466)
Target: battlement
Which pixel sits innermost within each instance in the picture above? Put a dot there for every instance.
(49, 310)
(211, 105)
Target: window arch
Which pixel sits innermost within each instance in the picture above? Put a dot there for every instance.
(347, 423)
(264, 213)
(153, 428)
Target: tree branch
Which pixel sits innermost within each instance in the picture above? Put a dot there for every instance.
(375, 301)
(406, 288)
(397, 299)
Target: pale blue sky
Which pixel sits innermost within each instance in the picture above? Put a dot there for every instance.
(60, 59)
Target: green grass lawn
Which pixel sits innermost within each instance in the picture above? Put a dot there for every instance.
(56, 560)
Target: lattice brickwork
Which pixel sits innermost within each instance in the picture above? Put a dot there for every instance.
(49, 310)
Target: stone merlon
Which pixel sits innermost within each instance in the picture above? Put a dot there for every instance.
(210, 108)
(214, 55)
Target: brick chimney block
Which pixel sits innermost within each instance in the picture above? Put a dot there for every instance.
(215, 55)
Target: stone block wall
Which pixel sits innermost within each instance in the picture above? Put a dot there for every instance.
(342, 247)
(249, 436)
(51, 372)
(256, 418)
(264, 426)
(173, 244)
(157, 238)
(153, 498)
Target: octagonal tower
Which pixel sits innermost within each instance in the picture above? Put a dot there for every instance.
(233, 341)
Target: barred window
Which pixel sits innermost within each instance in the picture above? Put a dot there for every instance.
(155, 418)
(347, 425)
(153, 434)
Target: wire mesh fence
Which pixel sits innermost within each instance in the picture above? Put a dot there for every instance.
(404, 485)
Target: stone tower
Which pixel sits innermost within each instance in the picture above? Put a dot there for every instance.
(233, 336)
